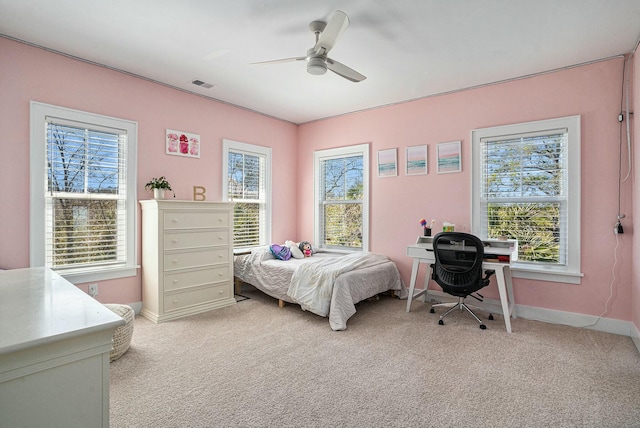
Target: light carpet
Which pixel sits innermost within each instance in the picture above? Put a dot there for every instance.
(257, 365)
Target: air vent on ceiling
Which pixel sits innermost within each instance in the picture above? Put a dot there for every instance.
(202, 84)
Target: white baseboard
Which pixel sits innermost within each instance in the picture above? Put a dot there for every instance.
(635, 336)
(137, 307)
(607, 325)
(591, 322)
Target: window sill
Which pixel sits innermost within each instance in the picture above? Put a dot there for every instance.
(546, 275)
(84, 276)
(247, 250)
(342, 250)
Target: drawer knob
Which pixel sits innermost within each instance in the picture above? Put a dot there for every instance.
(175, 281)
(175, 261)
(175, 220)
(175, 241)
(175, 300)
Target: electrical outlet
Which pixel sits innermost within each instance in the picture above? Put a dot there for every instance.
(93, 290)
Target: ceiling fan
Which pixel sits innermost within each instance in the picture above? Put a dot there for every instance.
(327, 33)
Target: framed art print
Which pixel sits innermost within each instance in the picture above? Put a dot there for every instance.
(388, 163)
(182, 144)
(449, 157)
(416, 160)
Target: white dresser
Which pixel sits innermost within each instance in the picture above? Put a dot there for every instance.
(187, 258)
(55, 342)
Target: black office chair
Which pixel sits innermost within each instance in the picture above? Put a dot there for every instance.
(458, 270)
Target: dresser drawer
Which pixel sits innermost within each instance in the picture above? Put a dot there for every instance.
(191, 259)
(194, 239)
(176, 281)
(175, 301)
(195, 219)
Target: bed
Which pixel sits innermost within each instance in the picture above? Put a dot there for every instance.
(327, 284)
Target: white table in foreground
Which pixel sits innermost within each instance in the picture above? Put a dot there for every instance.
(55, 342)
(422, 252)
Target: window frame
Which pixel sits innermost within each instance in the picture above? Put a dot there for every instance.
(336, 153)
(251, 149)
(569, 273)
(38, 164)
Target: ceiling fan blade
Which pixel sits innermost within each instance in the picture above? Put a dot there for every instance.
(344, 71)
(339, 22)
(276, 61)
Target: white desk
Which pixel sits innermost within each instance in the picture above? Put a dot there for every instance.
(422, 252)
(55, 342)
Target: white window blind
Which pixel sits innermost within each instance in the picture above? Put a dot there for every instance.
(342, 198)
(247, 182)
(527, 187)
(83, 193)
(524, 193)
(342, 195)
(85, 198)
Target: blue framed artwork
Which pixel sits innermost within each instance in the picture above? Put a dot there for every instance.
(449, 157)
(388, 163)
(416, 160)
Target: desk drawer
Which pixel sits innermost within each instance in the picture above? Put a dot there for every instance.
(176, 281)
(191, 259)
(195, 219)
(183, 299)
(421, 253)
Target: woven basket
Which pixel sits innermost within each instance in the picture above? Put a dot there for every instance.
(122, 335)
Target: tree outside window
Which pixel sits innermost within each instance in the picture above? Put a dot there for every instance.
(342, 198)
(526, 186)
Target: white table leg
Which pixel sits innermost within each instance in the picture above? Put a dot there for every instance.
(412, 285)
(512, 302)
(504, 299)
(427, 278)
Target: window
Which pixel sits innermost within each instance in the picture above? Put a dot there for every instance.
(342, 198)
(246, 180)
(83, 193)
(526, 186)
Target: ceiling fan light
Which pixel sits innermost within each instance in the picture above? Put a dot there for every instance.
(316, 66)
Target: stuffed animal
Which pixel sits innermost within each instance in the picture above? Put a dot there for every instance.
(305, 247)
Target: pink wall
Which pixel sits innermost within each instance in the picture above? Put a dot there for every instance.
(397, 203)
(29, 73)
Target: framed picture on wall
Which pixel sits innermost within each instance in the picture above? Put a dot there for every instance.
(416, 160)
(182, 144)
(449, 157)
(388, 163)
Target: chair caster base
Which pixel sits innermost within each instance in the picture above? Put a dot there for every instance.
(483, 327)
(441, 322)
(433, 311)
(490, 317)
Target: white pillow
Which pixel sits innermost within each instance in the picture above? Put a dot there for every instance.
(262, 253)
(295, 250)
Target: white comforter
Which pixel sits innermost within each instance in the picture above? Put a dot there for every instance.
(312, 283)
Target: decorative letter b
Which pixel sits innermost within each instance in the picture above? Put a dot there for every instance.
(199, 193)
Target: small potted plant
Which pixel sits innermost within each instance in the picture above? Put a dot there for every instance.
(159, 185)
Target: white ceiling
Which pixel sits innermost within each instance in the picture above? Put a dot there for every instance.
(408, 49)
